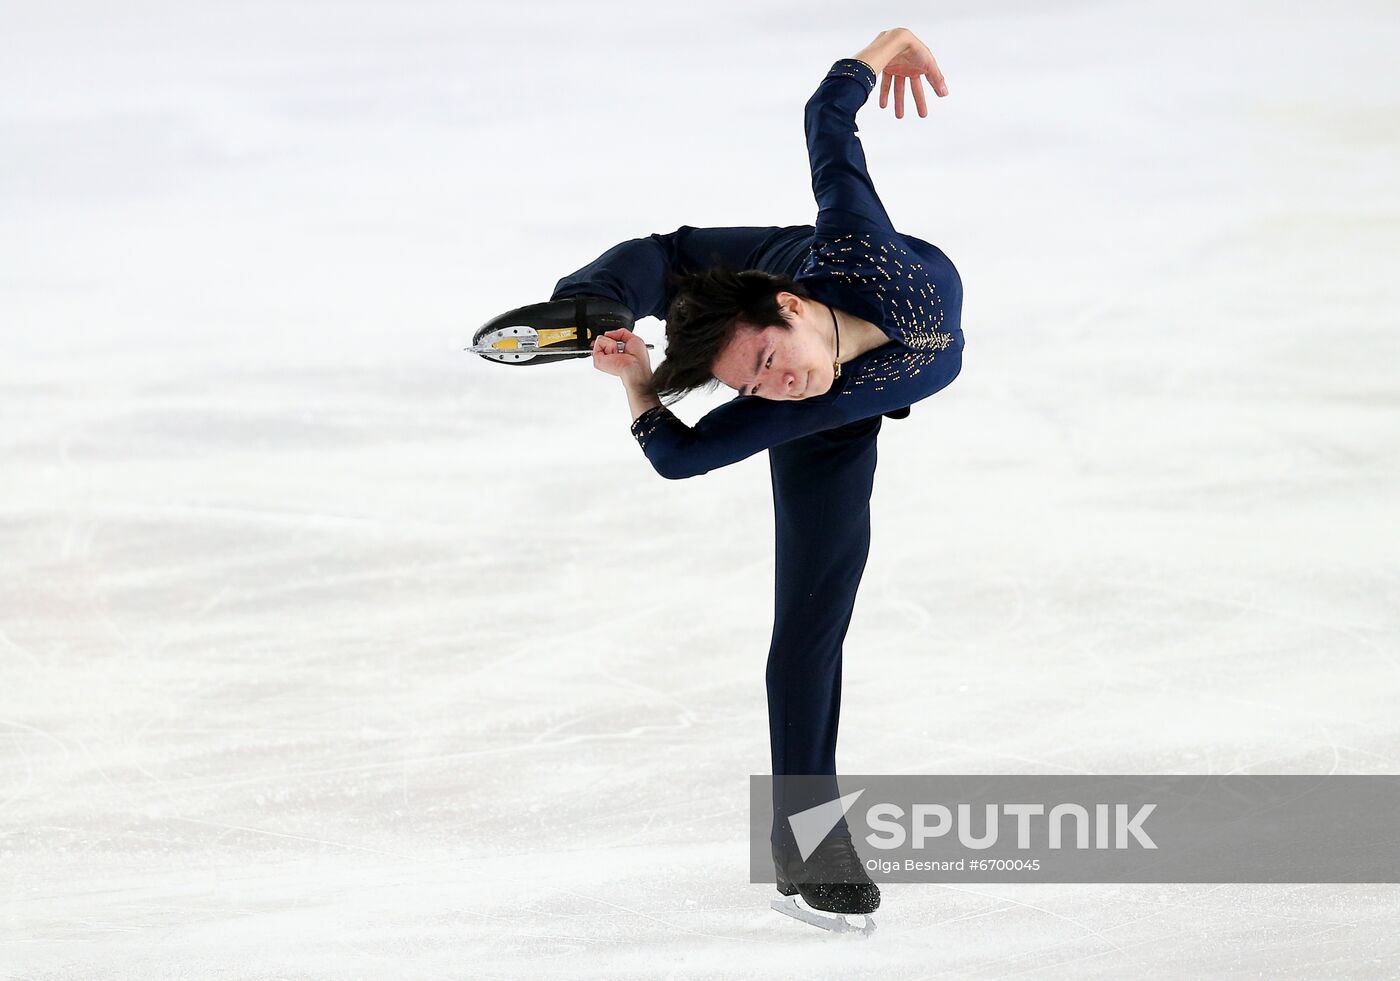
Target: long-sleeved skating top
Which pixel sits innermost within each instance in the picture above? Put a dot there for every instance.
(857, 263)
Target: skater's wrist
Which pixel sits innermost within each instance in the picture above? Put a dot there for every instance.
(640, 396)
(881, 51)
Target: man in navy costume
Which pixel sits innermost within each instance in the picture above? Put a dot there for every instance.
(822, 331)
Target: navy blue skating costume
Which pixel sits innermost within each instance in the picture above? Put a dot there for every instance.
(821, 450)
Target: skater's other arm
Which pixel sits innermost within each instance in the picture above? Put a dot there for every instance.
(879, 381)
(846, 197)
(726, 434)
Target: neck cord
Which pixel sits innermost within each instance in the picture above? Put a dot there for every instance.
(836, 365)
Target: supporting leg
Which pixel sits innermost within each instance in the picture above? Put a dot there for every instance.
(821, 499)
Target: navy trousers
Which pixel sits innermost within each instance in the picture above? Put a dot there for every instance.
(821, 504)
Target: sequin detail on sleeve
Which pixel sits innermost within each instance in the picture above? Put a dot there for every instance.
(854, 68)
(645, 424)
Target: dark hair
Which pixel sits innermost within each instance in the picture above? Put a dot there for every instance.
(706, 313)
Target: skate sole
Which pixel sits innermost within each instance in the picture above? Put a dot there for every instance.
(543, 333)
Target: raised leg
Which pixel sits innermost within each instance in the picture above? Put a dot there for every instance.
(634, 272)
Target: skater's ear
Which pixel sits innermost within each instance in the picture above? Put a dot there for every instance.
(790, 304)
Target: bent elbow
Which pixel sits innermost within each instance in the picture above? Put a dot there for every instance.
(668, 473)
(679, 465)
(672, 466)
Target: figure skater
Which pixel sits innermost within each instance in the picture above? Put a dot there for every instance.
(822, 330)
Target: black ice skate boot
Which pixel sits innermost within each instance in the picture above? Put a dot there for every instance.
(556, 330)
(832, 879)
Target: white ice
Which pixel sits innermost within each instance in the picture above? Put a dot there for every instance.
(327, 651)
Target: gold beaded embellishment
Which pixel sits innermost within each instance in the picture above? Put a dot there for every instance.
(645, 424)
(854, 68)
(903, 290)
(904, 293)
(888, 366)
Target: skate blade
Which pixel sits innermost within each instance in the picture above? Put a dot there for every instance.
(834, 922)
(512, 345)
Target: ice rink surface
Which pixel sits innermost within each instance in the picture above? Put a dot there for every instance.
(327, 651)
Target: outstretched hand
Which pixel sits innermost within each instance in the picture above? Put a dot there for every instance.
(910, 63)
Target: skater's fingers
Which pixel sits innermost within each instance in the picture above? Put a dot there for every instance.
(605, 364)
(899, 98)
(610, 355)
(885, 90)
(917, 85)
(936, 79)
(629, 342)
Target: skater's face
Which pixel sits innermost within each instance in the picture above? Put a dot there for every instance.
(783, 364)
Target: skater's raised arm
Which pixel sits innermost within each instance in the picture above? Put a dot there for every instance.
(846, 197)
